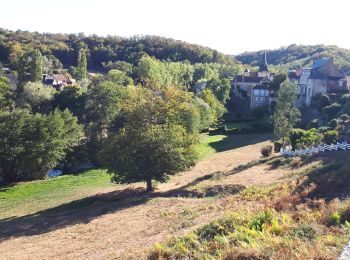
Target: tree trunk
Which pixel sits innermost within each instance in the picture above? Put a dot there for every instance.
(149, 185)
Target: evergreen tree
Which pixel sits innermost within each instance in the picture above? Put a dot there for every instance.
(82, 64)
(37, 67)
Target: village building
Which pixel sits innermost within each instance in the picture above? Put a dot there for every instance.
(323, 77)
(253, 87)
(58, 81)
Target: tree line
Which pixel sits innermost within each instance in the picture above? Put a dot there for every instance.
(141, 122)
(99, 50)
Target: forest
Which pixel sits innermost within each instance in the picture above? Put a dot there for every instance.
(296, 56)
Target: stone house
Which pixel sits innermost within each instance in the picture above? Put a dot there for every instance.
(323, 77)
(253, 87)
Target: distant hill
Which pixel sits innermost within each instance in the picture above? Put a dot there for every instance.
(104, 49)
(296, 56)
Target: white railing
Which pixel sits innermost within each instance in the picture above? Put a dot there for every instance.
(315, 149)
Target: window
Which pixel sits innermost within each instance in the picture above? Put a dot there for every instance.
(256, 99)
(256, 92)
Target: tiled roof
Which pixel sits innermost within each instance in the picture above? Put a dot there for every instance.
(241, 78)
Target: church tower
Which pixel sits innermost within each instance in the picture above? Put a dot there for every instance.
(263, 65)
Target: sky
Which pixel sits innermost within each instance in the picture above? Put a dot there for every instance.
(230, 26)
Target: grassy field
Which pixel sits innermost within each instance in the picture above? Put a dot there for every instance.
(18, 199)
(211, 144)
(238, 125)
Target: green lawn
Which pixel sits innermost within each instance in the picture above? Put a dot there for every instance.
(18, 199)
(211, 144)
(238, 125)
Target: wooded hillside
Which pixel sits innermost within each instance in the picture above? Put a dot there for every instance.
(296, 56)
(65, 47)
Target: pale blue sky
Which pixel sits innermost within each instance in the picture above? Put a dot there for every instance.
(230, 26)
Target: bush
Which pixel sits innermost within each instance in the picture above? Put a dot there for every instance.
(305, 232)
(345, 98)
(260, 111)
(346, 109)
(323, 101)
(295, 136)
(277, 145)
(314, 123)
(332, 110)
(330, 137)
(266, 151)
(333, 123)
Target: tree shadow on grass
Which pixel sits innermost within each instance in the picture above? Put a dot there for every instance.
(237, 141)
(72, 213)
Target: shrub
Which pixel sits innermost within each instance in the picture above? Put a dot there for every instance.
(323, 101)
(314, 123)
(277, 145)
(259, 223)
(305, 232)
(346, 109)
(333, 123)
(332, 110)
(345, 98)
(295, 136)
(330, 137)
(334, 219)
(260, 111)
(266, 151)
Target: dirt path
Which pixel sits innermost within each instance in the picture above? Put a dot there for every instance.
(108, 230)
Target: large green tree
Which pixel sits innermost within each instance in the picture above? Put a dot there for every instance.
(151, 143)
(30, 144)
(285, 115)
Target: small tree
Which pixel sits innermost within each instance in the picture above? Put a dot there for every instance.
(286, 115)
(82, 64)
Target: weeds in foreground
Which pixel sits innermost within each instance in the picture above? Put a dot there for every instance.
(291, 226)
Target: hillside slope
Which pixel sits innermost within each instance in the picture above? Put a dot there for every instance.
(296, 56)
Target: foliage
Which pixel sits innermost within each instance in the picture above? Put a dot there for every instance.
(323, 101)
(300, 138)
(35, 94)
(285, 115)
(266, 151)
(298, 56)
(72, 98)
(217, 108)
(277, 146)
(32, 144)
(82, 64)
(6, 94)
(330, 137)
(105, 49)
(220, 88)
(37, 67)
(277, 81)
(332, 110)
(119, 78)
(150, 142)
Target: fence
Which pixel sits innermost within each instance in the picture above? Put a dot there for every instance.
(316, 149)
